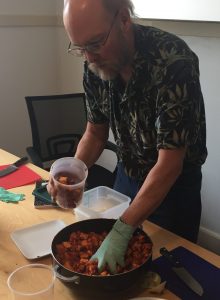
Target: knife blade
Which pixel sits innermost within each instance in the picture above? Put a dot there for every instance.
(13, 167)
(182, 273)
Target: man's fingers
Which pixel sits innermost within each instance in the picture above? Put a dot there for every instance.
(94, 257)
(112, 266)
(121, 261)
(101, 263)
(51, 189)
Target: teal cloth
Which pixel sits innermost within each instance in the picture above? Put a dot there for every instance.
(7, 196)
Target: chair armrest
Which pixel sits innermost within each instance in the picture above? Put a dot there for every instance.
(34, 156)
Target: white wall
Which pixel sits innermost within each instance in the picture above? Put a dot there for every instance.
(27, 7)
(71, 67)
(28, 60)
(208, 50)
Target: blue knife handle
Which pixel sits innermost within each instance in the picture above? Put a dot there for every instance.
(170, 257)
(21, 161)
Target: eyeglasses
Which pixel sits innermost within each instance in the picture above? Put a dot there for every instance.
(94, 48)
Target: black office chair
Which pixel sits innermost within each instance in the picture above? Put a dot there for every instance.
(57, 124)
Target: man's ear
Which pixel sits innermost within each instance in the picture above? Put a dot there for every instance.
(125, 19)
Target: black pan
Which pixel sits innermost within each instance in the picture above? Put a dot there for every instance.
(111, 282)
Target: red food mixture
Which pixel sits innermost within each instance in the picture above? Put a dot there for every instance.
(67, 196)
(75, 253)
(67, 178)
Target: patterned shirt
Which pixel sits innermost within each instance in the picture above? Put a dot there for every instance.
(161, 107)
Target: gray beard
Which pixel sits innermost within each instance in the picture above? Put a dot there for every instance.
(103, 74)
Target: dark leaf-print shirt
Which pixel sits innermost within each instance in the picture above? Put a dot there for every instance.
(161, 107)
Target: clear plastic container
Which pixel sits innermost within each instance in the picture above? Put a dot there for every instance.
(101, 202)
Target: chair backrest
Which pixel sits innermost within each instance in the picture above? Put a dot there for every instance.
(57, 124)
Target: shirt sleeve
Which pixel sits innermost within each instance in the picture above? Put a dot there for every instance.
(179, 105)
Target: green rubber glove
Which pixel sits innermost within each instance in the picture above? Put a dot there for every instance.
(7, 196)
(113, 248)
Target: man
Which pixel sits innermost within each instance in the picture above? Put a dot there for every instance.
(142, 83)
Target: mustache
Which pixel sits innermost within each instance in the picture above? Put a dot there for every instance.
(94, 65)
(100, 64)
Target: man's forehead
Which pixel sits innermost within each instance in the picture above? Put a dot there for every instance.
(85, 8)
(84, 23)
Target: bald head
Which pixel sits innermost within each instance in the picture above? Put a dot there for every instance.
(78, 14)
(110, 5)
(81, 17)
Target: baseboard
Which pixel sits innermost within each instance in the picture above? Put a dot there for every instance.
(209, 240)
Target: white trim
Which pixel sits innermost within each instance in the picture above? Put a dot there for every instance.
(209, 240)
(185, 28)
(191, 10)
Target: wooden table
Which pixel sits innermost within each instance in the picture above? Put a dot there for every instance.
(21, 215)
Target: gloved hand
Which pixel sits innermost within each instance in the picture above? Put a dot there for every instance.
(113, 248)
